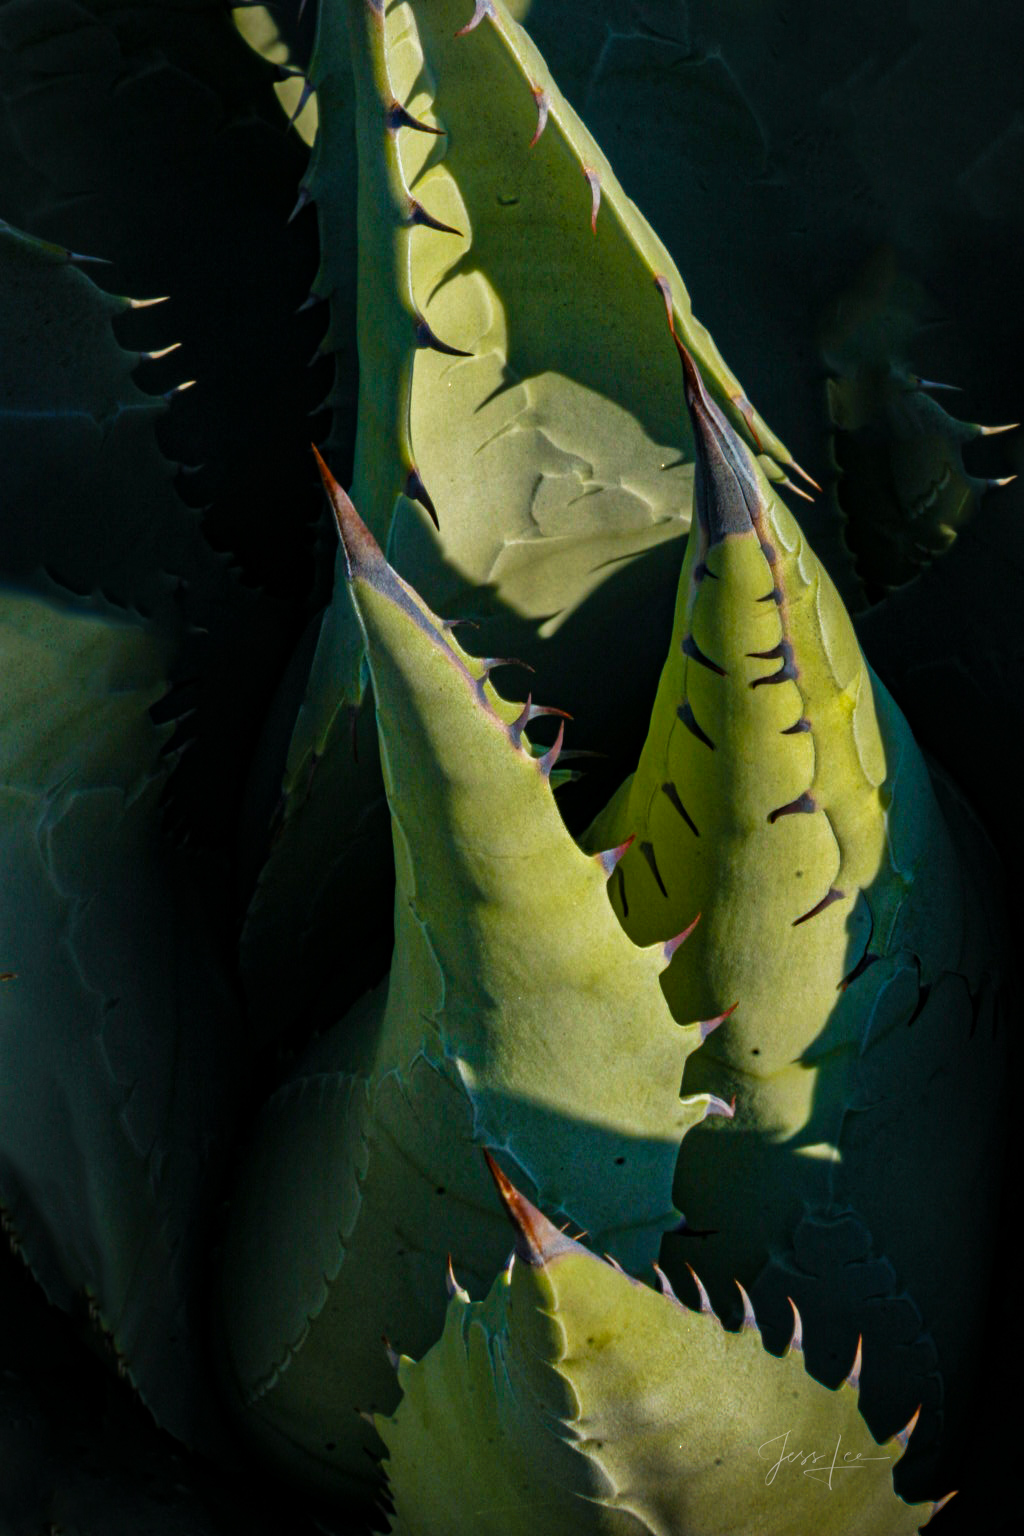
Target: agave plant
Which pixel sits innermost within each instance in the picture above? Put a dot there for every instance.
(311, 935)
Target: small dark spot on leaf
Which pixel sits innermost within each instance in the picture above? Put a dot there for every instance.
(619, 1161)
(506, 200)
(330, 1445)
(755, 1050)
(440, 1190)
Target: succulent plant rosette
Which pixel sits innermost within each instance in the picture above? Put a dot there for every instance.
(505, 1020)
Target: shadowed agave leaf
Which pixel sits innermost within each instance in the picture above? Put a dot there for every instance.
(902, 485)
(574, 1398)
(117, 1028)
(517, 1014)
(514, 392)
(780, 793)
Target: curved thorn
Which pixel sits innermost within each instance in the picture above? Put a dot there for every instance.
(803, 475)
(903, 1435)
(547, 761)
(941, 1504)
(749, 1320)
(179, 389)
(452, 1286)
(398, 117)
(483, 8)
(670, 946)
(664, 1283)
(1011, 426)
(705, 1299)
(853, 1379)
(309, 302)
(796, 1340)
(611, 856)
(613, 1262)
(152, 357)
(304, 197)
(147, 303)
(419, 215)
(543, 105)
(426, 338)
(417, 491)
(98, 261)
(490, 662)
(595, 195)
(303, 102)
(994, 485)
(394, 1358)
(717, 1106)
(826, 901)
(707, 1025)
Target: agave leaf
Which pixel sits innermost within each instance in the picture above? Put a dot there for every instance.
(117, 1026)
(517, 1014)
(902, 484)
(575, 1398)
(780, 793)
(513, 390)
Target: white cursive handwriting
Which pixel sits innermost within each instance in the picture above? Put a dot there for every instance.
(821, 1465)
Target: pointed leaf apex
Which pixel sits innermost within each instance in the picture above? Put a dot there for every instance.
(609, 859)
(670, 946)
(362, 552)
(537, 1239)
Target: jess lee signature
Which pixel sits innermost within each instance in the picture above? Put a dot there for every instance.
(822, 1466)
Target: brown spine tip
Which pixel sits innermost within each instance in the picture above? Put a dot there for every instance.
(796, 1340)
(483, 8)
(749, 1320)
(853, 1379)
(537, 1239)
(903, 1435)
(398, 117)
(704, 1298)
(941, 1504)
(543, 107)
(361, 548)
(548, 759)
(419, 215)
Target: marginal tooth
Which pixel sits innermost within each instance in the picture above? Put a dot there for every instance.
(717, 1106)
(595, 195)
(147, 303)
(803, 805)
(309, 303)
(826, 901)
(794, 488)
(426, 338)
(705, 1299)
(994, 485)
(665, 1284)
(483, 8)
(397, 117)
(853, 1379)
(452, 1285)
(304, 197)
(749, 1320)
(796, 1341)
(941, 1504)
(98, 261)
(611, 856)
(543, 106)
(920, 383)
(903, 1435)
(394, 1358)
(1011, 426)
(417, 491)
(707, 1025)
(804, 475)
(613, 1262)
(547, 761)
(303, 101)
(419, 215)
(179, 389)
(152, 357)
(490, 662)
(670, 946)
